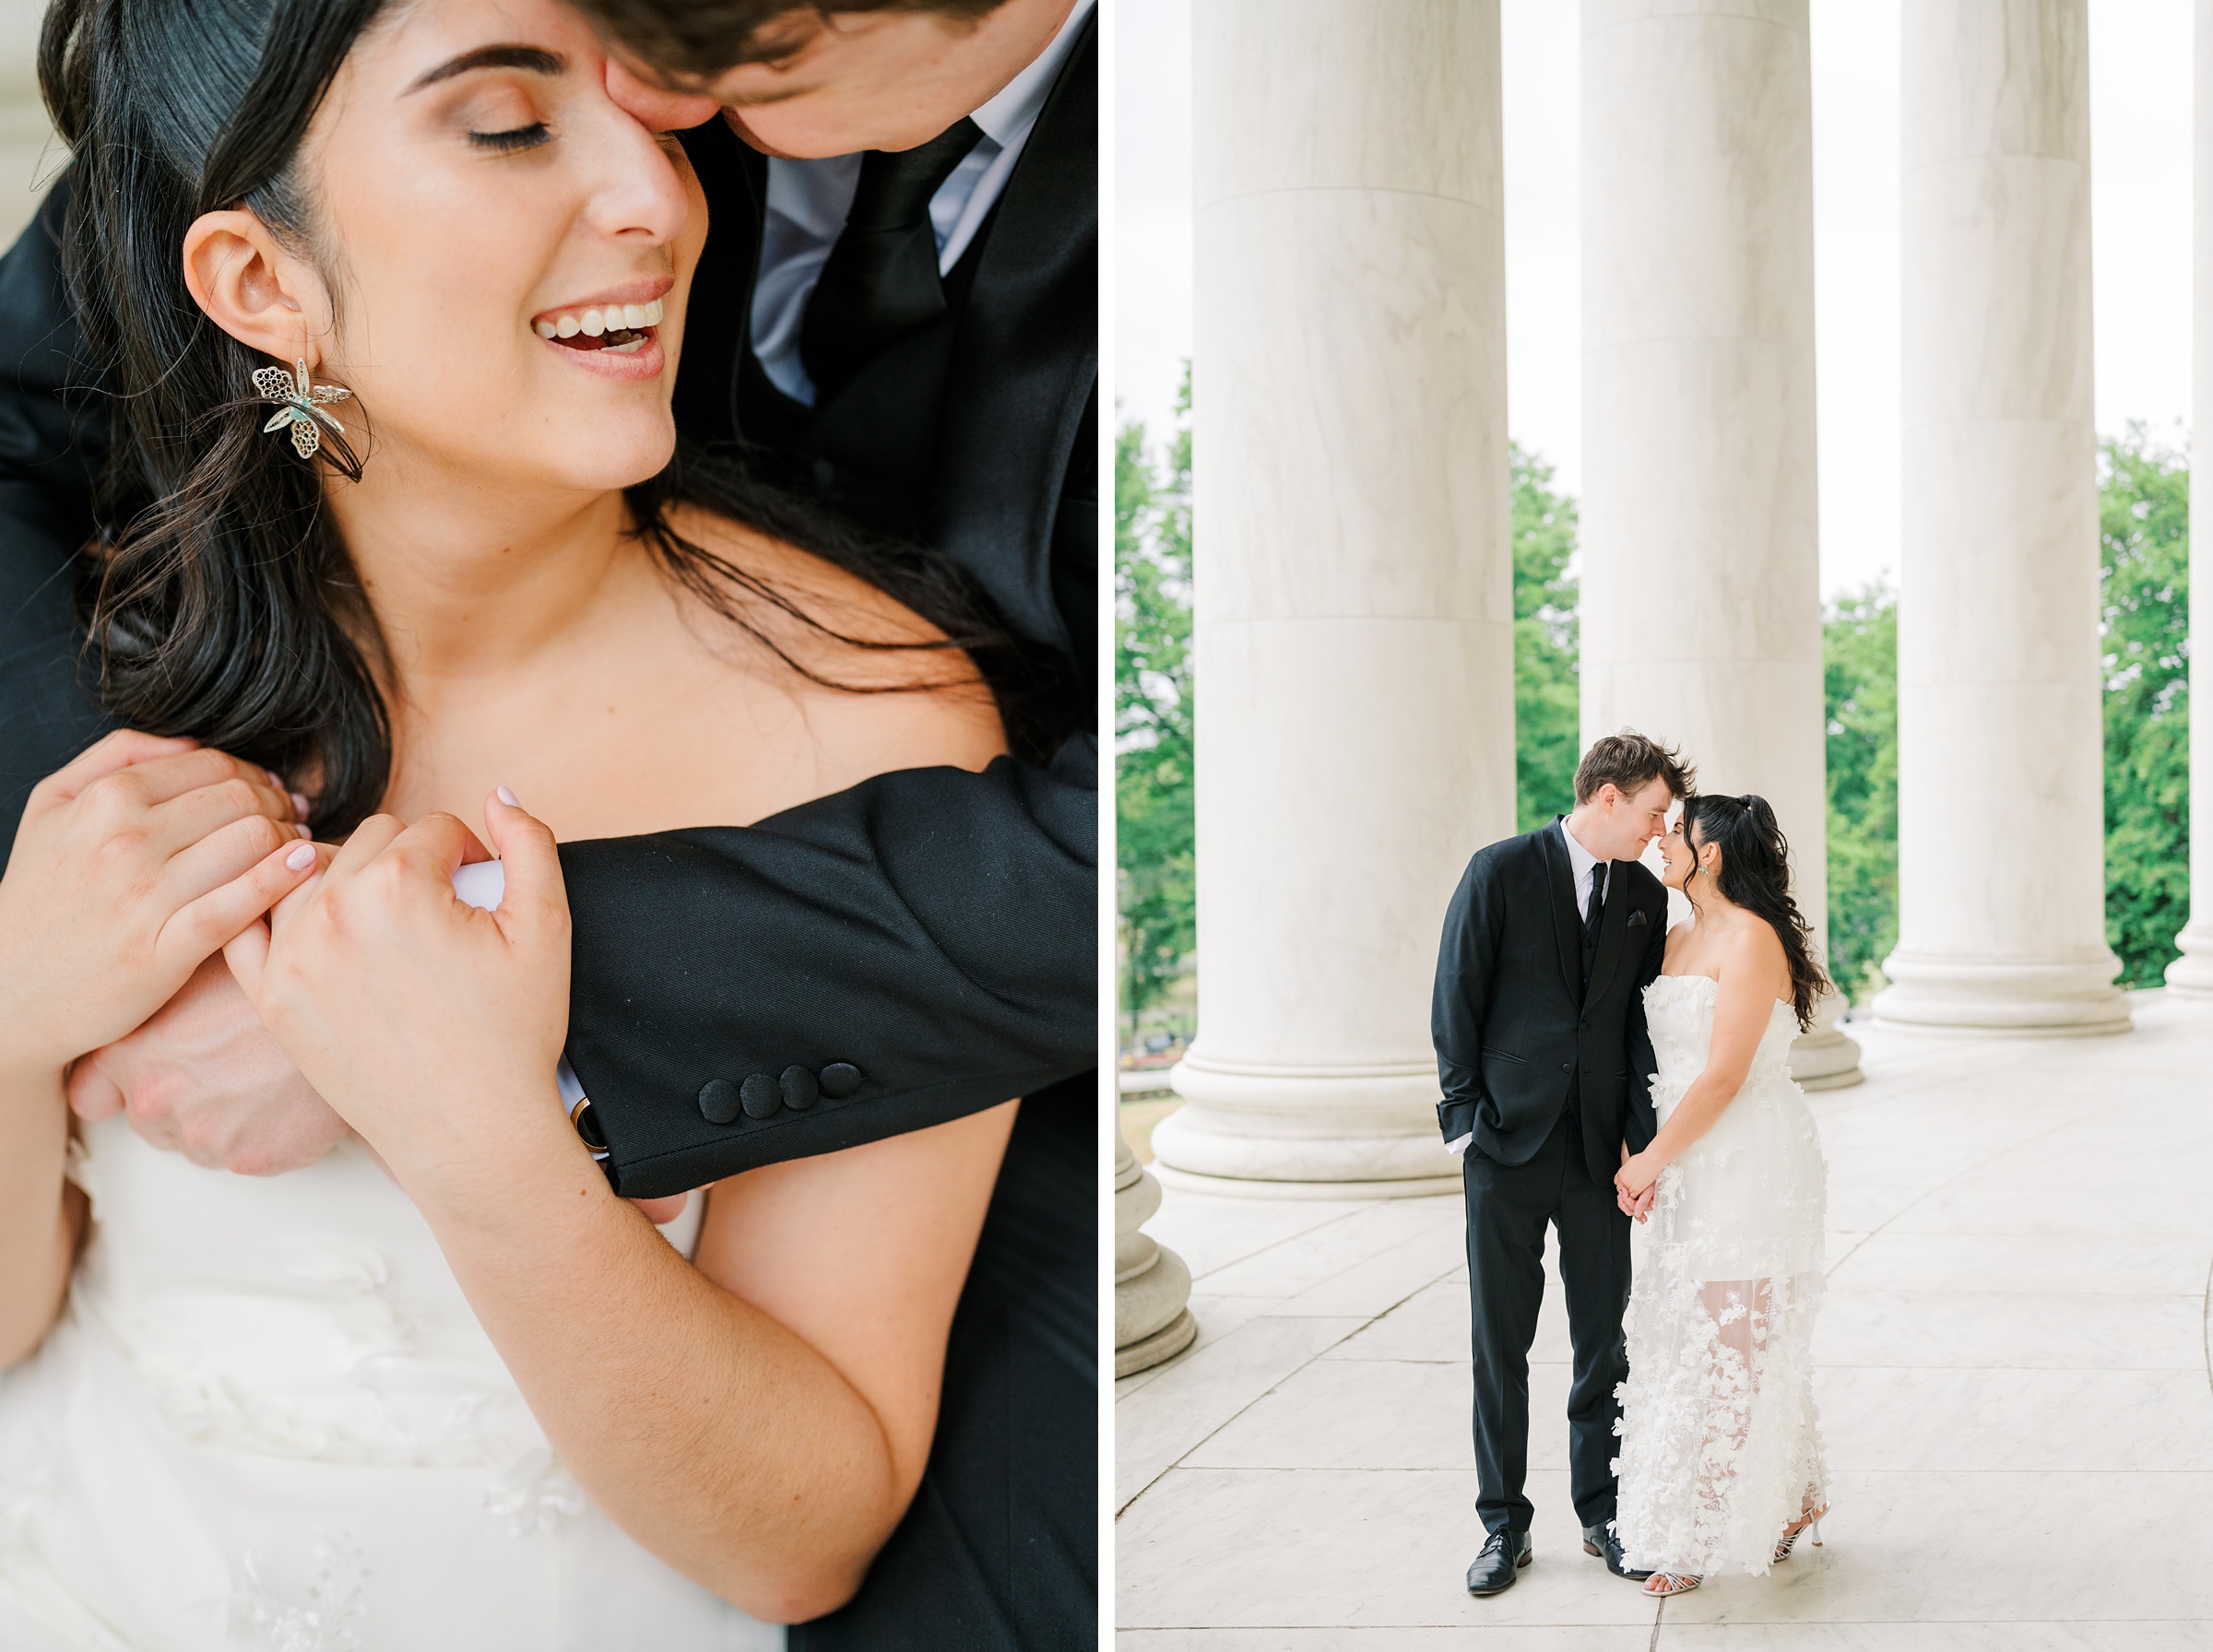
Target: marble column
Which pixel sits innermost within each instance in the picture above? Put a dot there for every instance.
(1151, 1284)
(1701, 600)
(2191, 975)
(1353, 616)
(2001, 797)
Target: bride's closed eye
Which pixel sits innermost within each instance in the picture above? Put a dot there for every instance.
(513, 139)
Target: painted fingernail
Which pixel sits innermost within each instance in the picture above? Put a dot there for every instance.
(507, 797)
(301, 858)
(301, 806)
(303, 830)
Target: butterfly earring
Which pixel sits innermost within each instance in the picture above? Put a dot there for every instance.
(302, 405)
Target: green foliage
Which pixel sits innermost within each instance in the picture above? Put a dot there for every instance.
(1547, 735)
(2144, 544)
(1153, 710)
(1859, 668)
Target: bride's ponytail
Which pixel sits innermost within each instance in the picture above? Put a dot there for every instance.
(1755, 875)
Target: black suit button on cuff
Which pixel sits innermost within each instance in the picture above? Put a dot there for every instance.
(718, 1101)
(799, 1088)
(840, 1080)
(1567, 1066)
(759, 1097)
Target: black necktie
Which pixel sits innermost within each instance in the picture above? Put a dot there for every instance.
(1591, 918)
(881, 278)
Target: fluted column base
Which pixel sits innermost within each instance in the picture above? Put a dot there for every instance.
(1825, 1058)
(2055, 997)
(1152, 1286)
(2191, 975)
(1285, 1132)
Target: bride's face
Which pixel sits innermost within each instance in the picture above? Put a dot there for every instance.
(1674, 850)
(502, 256)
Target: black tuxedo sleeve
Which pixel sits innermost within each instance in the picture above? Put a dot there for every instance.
(919, 947)
(1638, 1123)
(52, 435)
(1466, 961)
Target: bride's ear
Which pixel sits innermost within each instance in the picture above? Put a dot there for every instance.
(251, 288)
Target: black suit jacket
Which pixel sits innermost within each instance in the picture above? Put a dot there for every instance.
(932, 929)
(1516, 1028)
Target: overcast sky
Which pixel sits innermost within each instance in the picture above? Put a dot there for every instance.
(2140, 214)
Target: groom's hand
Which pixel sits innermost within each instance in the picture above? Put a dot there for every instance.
(203, 1078)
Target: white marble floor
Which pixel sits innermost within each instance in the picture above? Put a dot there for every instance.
(2015, 1388)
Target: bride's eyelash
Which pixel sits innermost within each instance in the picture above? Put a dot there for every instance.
(519, 137)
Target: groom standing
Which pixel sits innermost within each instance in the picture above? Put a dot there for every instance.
(1538, 1016)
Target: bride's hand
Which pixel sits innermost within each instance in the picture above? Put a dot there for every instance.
(133, 865)
(431, 1026)
(1635, 1176)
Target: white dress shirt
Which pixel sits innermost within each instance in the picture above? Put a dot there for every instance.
(808, 202)
(1582, 864)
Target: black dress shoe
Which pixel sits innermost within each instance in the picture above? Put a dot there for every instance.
(1602, 1541)
(1500, 1563)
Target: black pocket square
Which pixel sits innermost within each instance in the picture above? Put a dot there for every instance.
(1636, 918)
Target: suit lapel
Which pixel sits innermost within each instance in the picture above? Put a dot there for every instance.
(1560, 875)
(1025, 367)
(1613, 922)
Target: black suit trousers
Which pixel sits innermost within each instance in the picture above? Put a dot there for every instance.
(1509, 1207)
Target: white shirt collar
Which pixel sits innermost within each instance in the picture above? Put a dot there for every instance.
(1007, 118)
(1579, 862)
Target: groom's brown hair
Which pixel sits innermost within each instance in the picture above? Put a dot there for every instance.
(698, 39)
(1629, 761)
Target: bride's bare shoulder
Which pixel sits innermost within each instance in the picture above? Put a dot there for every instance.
(882, 683)
(837, 606)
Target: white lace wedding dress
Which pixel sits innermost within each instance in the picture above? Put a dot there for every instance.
(269, 1419)
(1720, 1444)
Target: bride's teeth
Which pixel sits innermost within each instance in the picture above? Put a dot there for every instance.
(601, 320)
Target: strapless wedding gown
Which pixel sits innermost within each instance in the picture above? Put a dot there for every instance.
(1720, 1444)
(269, 1418)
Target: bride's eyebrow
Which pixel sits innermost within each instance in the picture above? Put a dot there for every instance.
(536, 60)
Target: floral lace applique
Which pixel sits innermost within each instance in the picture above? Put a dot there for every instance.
(329, 1612)
(534, 1494)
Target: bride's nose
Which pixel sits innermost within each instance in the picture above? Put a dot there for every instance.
(637, 192)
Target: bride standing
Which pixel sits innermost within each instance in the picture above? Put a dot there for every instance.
(1721, 1448)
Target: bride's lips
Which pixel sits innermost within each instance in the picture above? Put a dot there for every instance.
(614, 333)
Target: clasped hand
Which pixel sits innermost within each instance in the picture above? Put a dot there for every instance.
(132, 865)
(430, 1026)
(1635, 1183)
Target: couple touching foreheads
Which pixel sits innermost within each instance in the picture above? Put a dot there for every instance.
(1599, 1066)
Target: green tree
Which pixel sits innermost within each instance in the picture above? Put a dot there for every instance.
(2144, 539)
(1858, 665)
(1153, 709)
(1547, 734)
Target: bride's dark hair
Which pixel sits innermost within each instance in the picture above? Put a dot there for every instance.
(1755, 875)
(219, 599)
